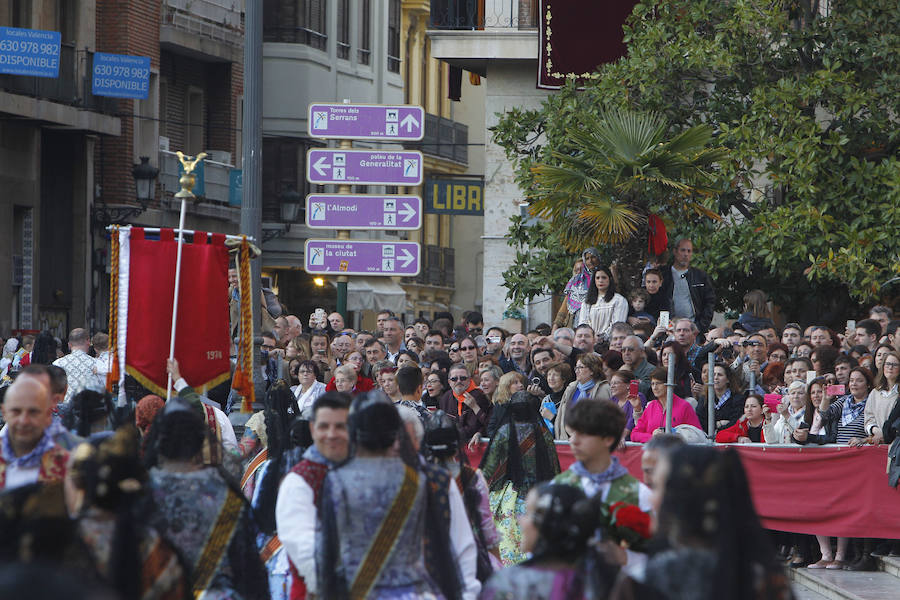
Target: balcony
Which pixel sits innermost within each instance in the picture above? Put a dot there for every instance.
(213, 182)
(478, 15)
(72, 87)
(444, 139)
(209, 30)
(469, 33)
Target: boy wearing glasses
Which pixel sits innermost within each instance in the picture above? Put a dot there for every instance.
(465, 402)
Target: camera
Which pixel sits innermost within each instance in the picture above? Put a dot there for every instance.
(727, 353)
(536, 381)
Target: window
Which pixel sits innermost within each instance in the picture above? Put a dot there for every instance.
(343, 29)
(365, 36)
(163, 107)
(20, 13)
(193, 113)
(295, 21)
(393, 59)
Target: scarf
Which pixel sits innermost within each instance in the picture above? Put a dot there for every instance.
(725, 397)
(312, 454)
(30, 460)
(459, 398)
(851, 410)
(576, 290)
(613, 471)
(582, 389)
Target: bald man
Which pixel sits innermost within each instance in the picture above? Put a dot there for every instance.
(27, 452)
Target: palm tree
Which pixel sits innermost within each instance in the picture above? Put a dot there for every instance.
(618, 170)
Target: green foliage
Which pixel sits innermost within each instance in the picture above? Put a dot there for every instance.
(540, 268)
(806, 106)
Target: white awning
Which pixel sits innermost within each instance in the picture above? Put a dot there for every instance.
(375, 293)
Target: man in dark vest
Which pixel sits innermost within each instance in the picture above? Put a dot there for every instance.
(298, 496)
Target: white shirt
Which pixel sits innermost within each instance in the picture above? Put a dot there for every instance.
(229, 439)
(79, 368)
(295, 519)
(17, 476)
(603, 314)
(306, 399)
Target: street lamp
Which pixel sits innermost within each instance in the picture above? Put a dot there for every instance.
(290, 206)
(145, 181)
(145, 190)
(290, 209)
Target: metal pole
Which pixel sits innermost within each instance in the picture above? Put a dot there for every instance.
(752, 387)
(251, 156)
(670, 391)
(711, 397)
(175, 298)
(343, 235)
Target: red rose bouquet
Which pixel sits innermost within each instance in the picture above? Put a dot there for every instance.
(626, 523)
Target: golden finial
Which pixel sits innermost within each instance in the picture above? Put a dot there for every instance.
(187, 180)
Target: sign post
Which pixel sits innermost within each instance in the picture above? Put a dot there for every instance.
(347, 211)
(345, 167)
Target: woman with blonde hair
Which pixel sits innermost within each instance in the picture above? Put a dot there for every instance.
(509, 384)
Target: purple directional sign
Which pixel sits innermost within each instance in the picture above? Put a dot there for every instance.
(357, 257)
(345, 211)
(363, 167)
(366, 121)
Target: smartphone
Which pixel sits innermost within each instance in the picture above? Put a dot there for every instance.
(493, 339)
(320, 317)
(810, 375)
(772, 401)
(835, 390)
(851, 325)
(663, 319)
(634, 387)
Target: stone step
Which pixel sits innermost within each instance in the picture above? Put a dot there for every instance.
(890, 565)
(801, 592)
(848, 585)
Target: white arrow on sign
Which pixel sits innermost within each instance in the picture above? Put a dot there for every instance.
(408, 212)
(406, 258)
(409, 122)
(319, 167)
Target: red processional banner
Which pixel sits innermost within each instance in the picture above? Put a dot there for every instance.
(201, 336)
(577, 36)
(826, 490)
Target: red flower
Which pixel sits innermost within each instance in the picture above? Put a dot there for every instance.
(631, 517)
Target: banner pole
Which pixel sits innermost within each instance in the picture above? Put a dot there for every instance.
(175, 298)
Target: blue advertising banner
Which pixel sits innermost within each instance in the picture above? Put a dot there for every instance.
(29, 52)
(121, 76)
(235, 187)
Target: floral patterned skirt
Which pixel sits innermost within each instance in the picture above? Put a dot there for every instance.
(506, 506)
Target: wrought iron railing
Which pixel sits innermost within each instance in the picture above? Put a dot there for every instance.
(72, 87)
(484, 14)
(444, 138)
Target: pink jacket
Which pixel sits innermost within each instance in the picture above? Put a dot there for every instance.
(654, 417)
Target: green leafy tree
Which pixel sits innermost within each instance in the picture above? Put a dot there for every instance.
(806, 103)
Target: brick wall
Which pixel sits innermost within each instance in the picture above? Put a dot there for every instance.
(124, 27)
(132, 27)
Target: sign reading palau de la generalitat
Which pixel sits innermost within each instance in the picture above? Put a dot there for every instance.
(350, 211)
(358, 257)
(366, 122)
(363, 167)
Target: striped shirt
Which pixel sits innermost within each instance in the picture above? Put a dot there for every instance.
(854, 429)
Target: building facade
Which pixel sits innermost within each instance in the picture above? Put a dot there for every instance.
(370, 52)
(499, 41)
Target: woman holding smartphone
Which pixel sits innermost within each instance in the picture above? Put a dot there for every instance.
(623, 389)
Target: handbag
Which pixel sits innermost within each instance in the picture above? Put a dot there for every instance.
(893, 469)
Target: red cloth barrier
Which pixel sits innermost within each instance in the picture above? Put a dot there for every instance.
(830, 490)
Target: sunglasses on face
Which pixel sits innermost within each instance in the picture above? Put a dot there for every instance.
(460, 378)
(454, 348)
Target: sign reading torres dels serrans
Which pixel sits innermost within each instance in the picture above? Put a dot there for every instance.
(367, 121)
